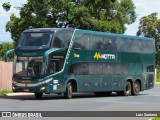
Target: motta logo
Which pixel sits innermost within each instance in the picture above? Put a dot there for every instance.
(76, 55)
(98, 55)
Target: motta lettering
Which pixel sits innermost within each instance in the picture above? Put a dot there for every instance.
(97, 56)
(108, 56)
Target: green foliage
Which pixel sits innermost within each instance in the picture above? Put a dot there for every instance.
(149, 26)
(5, 47)
(5, 91)
(156, 118)
(158, 77)
(101, 15)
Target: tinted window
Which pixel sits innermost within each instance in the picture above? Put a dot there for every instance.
(107, 68)
(122, 44)
(81, 41)
(150, 68)
(120, 69)
(151, 47)
(110, 43)
(95, 68)
(96, 42)
(62, 39)
(56, 61)
(79, 69)
(35, 39)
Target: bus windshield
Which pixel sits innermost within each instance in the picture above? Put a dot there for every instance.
(35, 39)
(29, 67)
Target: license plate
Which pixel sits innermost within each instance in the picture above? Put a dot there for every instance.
(26, 90)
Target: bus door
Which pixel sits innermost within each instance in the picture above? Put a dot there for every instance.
(56, 62)
(150, 76)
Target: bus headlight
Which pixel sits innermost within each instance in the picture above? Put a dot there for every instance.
(43, 88)
(13, 88)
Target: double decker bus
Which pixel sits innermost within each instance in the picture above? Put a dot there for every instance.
(63, 60)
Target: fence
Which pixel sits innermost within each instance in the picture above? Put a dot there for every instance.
(6, 72)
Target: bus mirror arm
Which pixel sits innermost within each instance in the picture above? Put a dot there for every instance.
(7, 54)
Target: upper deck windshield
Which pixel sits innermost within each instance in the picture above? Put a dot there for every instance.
(35, 39)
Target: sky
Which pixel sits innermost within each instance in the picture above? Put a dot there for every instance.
(143, 8)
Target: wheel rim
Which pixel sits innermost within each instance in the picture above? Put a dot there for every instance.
(136, 88)
(70, 91)
(128, 88)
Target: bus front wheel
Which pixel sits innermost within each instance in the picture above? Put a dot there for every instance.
(136, 88)
(69, 91)
(38, 95)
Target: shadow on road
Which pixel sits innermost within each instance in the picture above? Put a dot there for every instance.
(60, 97)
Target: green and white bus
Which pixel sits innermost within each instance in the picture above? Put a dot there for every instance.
(64, 60)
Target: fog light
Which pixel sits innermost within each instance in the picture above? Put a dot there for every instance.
(42, 88)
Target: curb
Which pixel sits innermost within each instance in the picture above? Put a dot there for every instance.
(18, 94)
(1, 95)
(157, 82)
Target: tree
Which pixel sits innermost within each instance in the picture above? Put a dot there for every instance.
(149, 26)
(5, 47)
(100, 15)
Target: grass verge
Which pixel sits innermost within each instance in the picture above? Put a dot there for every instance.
(158, 79)
(5, 91)
(156, 118)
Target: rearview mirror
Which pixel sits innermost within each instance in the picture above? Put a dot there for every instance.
(76, 48)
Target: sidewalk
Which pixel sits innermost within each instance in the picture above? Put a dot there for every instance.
(19, 94)
(157, 82)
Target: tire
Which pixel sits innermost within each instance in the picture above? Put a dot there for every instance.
(136, 88)
(38, 95)
(59, 93)
(69, 91)
(99, 93)
(127, 90)
(102, 93)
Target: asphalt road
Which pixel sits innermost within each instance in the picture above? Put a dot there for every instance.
(148, 100)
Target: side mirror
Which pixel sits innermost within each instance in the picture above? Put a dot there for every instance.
(76, 48)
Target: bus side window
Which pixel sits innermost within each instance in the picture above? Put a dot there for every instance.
(79, 69)
(95, 68)
(107, 69)
(62, 39)
(58, 43)
(113, 43)
(54, 66)
(96, 42)
(81, 41)
(151, 48)
(123, 44)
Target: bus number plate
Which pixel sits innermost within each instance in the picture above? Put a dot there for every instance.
(26, 90)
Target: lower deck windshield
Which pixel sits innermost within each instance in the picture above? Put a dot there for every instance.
(29, 67)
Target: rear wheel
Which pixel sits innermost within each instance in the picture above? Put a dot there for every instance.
(38, 95)
(69, 91)
(127, 90)
(136, 88)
